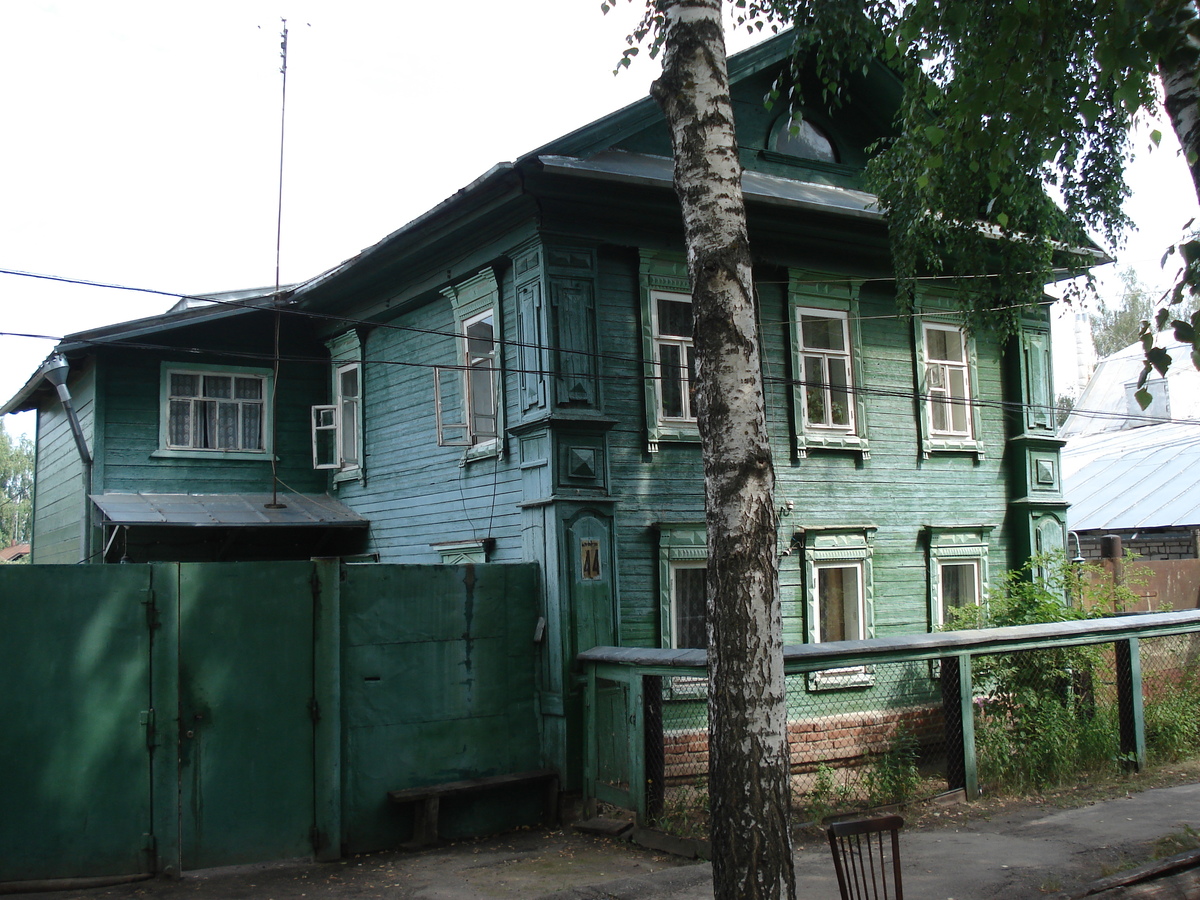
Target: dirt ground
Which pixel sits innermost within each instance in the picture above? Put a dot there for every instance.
(531, 863)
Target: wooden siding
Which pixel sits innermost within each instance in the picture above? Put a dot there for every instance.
(895, 489)
(58, 478)
(130, 433)
(417, 494)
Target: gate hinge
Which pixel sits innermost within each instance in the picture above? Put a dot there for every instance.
(314, 709)
(152, 620)
(146, 718)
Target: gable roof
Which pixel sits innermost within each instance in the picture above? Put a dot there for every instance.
(185, 312)
(1107, 404)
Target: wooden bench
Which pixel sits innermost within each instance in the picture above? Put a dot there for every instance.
(428, 798)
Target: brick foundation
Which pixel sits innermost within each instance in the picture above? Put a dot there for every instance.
(839, 741)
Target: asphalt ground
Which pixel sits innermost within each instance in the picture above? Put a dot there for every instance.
(1015, 850)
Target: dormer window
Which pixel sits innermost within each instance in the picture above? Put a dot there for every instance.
(800, 138)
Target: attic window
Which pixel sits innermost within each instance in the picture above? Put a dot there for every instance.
(793, 136)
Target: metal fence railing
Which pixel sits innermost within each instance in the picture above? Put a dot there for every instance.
(875, 723)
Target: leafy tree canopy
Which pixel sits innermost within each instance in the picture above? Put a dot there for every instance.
(1116, 326)
(16, 488)
(1007, 103)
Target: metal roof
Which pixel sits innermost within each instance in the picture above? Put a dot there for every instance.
(238, 510)
(643, 168)
(1145, 477)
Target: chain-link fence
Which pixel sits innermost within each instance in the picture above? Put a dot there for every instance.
(892, 731)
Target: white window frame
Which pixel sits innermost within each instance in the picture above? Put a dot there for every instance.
(455, 388)
(942, 377)
(824, 358)
(840, 547)
(933, 377)
(685, 346)
(168, 449)
(976, 566)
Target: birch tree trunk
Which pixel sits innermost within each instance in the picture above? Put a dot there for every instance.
(748, 762)
(1178, 67)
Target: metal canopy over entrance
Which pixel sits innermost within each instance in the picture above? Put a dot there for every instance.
(215, 510)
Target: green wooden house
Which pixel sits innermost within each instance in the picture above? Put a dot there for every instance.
(506, 378)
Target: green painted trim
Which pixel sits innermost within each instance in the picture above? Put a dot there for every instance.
(591, 735)
(1131, 710)
(327, 690)
(164, 701)
(966, 700)
(635, 737)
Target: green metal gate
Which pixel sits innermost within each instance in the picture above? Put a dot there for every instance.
(174, 716)
(246, 711)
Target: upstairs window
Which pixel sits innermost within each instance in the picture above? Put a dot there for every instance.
(668, 355)
(674, 356)
(828, 406)
(469, 399)
(947, 385)
(337, 429)
(825, 359)
(800, 138)
(214, 411)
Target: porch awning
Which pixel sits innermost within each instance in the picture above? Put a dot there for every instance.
(227, 510)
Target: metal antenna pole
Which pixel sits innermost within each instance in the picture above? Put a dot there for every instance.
(275, 504)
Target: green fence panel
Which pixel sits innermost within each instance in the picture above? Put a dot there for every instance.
(438, 666)
(74, 718)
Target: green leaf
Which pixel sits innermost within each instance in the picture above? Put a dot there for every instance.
(1160, 359)
(1156, 137)
(1184, 332)
(1160, 319)
(1002, 219)
(934, 134)
(1143, 398)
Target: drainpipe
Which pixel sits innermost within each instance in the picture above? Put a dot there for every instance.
(55, 370)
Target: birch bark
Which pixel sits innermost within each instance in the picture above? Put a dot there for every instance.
(1178, 67)
(748, 762)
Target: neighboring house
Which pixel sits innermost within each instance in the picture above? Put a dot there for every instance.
(1134, 473)
(14, 553)
(508, 378)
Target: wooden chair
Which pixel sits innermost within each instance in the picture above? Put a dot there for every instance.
(861, 862)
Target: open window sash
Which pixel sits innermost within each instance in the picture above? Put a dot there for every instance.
(325, 439)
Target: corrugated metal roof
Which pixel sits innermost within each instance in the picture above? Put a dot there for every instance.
(1137, 478)
(226, 510)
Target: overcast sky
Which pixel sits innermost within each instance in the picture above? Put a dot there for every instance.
(141, 139)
